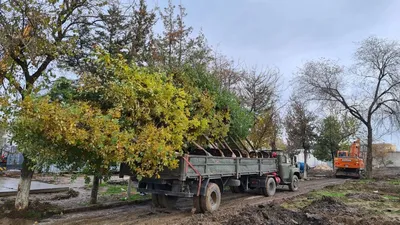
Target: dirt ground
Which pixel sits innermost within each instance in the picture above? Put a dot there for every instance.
(113, 192)
(318, 201)
(79, 195)
(231, 205)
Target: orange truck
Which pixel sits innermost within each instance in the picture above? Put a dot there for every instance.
(349, 164)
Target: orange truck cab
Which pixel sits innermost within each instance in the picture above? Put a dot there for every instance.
(349, 164)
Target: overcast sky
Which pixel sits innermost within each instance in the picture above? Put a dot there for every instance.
(287, 33)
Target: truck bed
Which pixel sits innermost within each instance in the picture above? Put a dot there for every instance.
(193, 166)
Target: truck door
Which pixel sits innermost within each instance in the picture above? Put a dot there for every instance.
(284, 168)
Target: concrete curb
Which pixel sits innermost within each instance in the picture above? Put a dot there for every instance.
(37, 191)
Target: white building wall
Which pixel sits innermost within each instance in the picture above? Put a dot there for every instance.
(311, 160)
(392, 156)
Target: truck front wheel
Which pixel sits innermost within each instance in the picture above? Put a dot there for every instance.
(270, 187)
(294, 185)
(212, 199)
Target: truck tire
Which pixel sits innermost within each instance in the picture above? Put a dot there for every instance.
(154, 200)
(270, 187)
(168, 202)
(212, 199)
(294, 185)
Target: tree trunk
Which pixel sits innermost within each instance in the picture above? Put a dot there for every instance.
(24, 186)
(95, 189)
(369, 154)
(129, 187)
(333, 159)
(305, 163)
(273, 145)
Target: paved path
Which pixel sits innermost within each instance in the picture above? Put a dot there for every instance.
(8, 187)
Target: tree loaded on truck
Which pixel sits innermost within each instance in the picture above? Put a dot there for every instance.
(203, 178)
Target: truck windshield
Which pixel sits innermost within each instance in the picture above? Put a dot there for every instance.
(342, 154)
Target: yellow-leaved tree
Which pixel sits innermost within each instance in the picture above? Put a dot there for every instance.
(125, 114)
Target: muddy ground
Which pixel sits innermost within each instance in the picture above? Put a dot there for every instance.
(44, 205)
(322, 201)
(319, 201)
(360, 202)
(145, 214)
(79, 194)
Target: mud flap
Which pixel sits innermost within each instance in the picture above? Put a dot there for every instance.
(203, 187)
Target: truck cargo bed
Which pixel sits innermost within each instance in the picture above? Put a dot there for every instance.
(214, 167)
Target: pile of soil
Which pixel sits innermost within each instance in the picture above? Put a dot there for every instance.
(326, 211)
(11, 173)
(36, 210)
(117, 182)
(321, 170)
(71, 193)
(274, 215)
(323, 167)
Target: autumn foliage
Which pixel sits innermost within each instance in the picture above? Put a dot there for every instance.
(138, 117)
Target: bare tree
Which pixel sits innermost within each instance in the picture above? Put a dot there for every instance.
(227, 72)
(259, 89)
(300, 129)
(369, 91)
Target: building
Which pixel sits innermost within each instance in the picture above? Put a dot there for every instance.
(311, 160)
(384, 155)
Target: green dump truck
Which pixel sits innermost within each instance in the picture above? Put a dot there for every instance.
(204, 179)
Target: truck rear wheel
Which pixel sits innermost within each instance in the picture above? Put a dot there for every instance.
(212, 199)
(168, 202)
(270, 187)
(154, 199)
(294, 185)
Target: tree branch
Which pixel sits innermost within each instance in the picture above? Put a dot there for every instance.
(22, 63)
(41, 69)
(339, 97)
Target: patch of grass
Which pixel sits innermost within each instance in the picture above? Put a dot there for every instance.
(366, 181)
(328, 193)
(394, 182)
(115, 189)
(103, 184)
(298, 203)
(390, 197)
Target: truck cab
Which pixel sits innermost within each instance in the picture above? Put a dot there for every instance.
(288, 170)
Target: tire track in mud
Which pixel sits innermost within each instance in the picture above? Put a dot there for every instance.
(145, 214)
